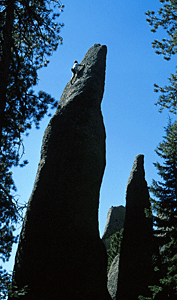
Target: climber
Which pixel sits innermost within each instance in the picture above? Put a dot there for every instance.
(75, 69)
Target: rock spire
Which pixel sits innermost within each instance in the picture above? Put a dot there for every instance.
(115, 222)
(60, 254)
(136, 249)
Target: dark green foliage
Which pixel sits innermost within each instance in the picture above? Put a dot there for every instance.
(115, 244)
(165, 219)
(166, 18)
(5, 286)
(5, 280)
(29, 32)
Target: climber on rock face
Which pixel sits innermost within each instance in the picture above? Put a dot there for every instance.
(75, 69)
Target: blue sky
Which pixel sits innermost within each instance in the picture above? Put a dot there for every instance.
(132, 121)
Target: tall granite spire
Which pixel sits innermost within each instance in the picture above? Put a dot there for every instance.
(60, 254)
(135, 264)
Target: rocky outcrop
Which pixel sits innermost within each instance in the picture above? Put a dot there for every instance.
(136, 249)
(113, 277)
(60, 254)
(115, 222)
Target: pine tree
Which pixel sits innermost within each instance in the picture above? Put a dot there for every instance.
(165, 218)
(29, 33)
(166, 18)
(164, 281)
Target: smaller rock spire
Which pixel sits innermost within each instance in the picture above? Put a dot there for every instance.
(136, 248)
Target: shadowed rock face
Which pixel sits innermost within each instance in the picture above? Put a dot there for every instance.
(136, 249)
(60, 254)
